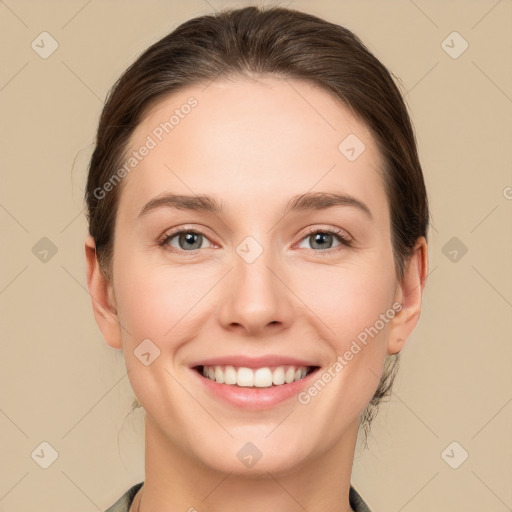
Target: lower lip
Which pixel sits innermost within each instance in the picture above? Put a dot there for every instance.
(255, 398)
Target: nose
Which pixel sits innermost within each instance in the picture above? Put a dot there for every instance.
(256, 297)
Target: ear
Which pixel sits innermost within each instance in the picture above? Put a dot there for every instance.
(408, 294)
(102, 296)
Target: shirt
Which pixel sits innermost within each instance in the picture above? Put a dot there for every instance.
(124, 502)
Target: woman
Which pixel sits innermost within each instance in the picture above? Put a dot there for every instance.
(257, 249)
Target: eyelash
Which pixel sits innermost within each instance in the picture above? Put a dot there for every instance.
(338, 233)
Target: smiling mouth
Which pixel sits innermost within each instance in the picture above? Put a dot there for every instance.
(264, 377)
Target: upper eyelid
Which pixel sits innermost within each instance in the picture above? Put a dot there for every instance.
(345, 238)
(171, 234)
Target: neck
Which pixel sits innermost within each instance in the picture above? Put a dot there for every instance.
(174, 480)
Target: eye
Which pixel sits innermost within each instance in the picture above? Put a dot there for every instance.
(184, 240)
(322, 239)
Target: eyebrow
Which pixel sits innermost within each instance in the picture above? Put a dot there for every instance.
(303, 202)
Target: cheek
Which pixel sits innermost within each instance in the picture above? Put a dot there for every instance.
(157, 301)
(354, 306)
(142, 308)
(348, 298)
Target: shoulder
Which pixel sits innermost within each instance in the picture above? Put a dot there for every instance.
(124, 502)
(356, 502)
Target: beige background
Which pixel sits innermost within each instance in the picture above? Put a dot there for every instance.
(62, 384)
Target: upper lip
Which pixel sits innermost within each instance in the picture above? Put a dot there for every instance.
(253, 362)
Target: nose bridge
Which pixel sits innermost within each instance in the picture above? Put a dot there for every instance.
(255, 297)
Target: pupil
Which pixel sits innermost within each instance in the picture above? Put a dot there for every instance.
(189, 239)
(320, 238)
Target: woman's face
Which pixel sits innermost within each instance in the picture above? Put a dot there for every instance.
(262, 276)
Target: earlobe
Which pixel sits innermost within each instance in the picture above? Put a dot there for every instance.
(409, 295)
(102, 297)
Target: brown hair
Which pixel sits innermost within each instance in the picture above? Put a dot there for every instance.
(275, 42)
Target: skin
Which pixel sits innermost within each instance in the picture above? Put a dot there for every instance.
(252, 145)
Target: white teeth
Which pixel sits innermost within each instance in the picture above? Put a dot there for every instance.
(229, 375)
(259, 378)
(219, 375)
(244, 377)
(278, 376)
(290, 375)
(263, 378)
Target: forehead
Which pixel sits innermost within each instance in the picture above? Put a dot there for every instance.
(241, 140)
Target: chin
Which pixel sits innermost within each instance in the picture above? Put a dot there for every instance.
(252, 456)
